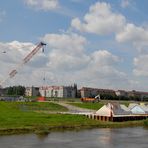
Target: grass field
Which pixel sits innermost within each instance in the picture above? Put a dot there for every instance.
(88, 105)
(17, 119)
(38, 106)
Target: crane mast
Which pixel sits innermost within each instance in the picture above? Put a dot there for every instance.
(24, 61)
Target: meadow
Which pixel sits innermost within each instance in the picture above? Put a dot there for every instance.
(21, 117)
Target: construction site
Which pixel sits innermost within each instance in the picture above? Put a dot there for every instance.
(114, 112)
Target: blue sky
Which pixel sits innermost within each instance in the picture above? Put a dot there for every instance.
(96, 43)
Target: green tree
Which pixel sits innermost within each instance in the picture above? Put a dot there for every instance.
(16, 90)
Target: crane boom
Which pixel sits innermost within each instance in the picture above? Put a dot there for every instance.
(24, 61)
(33, 52)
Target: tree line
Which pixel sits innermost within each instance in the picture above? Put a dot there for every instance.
(15, 90)
(131, 98)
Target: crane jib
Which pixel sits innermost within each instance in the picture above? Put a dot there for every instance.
(24, 61)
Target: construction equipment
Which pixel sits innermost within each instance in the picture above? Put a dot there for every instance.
(88, 100)
(93, 100)
(24, 61)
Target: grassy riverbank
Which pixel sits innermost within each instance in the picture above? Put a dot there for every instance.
(23, 118)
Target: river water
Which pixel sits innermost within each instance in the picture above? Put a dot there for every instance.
(95, 138)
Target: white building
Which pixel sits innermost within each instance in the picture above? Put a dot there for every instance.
(121, 93)
(58, 91)
(32, 91)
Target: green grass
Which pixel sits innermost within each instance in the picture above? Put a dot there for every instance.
(12, 115)
(88, 105)
(14, 119)
(38, 106)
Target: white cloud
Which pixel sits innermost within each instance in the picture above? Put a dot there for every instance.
(138, 36)
(70, 62)
(66, 51)
(100, 20)
(64, 62)
(14, 51)
(103, 58)
(141, 67)
(71, 43)
(43, 4)
(11, 56)
(102, 67)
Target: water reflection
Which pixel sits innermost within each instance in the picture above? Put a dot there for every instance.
(42, 137)
(105, 138)
(96, 138)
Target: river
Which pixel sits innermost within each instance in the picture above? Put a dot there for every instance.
(95, 138)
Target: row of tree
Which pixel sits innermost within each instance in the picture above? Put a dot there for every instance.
(132, 98)
(15, 90)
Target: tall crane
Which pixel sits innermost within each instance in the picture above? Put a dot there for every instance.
(24, 61)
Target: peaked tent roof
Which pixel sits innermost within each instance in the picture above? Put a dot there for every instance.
(114, 109)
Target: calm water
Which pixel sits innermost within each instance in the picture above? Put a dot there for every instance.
(96, 138)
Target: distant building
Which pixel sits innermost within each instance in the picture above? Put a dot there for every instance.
(122, 93)
(3, 91)
(32, 91)
(58, 91)
(138, 94)
(92, 92)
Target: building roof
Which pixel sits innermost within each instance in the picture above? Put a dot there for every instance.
(113, 109)
(120, 110)
(124, 107)
(138, 109)
(131, 105)
(145, 108)
(104, 110)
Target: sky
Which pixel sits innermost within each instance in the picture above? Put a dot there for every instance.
(93, 43)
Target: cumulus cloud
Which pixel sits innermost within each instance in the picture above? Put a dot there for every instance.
(11, 57)
(141, 68)
(133, 34)
(43, 4)
(66, 51)
(14, 51)
(100, 20)
(70, 62)
(64, 62)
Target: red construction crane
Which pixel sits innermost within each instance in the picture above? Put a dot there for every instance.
(24, 61)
